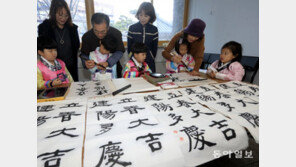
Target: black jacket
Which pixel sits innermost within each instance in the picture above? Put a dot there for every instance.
(47, 29)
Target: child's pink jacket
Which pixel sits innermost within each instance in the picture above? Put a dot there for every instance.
(235, 71)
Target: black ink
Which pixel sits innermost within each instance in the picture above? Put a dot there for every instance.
(154, 146)
(112, 153)
(71, 105)
(198, 113)
(220, 95)
(226, 105)
(227, 135)
(244, 92)
(184, 103)
(41, 120)
(190, 91)
(205, 97)
(105, 128)
(162, 106)
(66, 116)
(173, 95)
(175, 117)
(56, 157)
(193, 133)
(100, 103)
(151, 97)
(126, 100)
(252, 119)
(45, 108)
(62, 131)
(108, 114)
(244, 102)
(132, 109)
(219, 123)
(140, 121)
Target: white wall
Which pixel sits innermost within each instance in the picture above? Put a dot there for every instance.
(228, 20)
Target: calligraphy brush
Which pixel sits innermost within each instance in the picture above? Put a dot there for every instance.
(94, 62)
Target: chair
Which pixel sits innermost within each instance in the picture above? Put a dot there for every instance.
(208, 59)
(251, 65)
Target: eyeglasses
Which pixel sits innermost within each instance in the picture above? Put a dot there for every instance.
(100, 32)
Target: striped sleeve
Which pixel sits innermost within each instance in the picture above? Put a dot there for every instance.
(127, 73)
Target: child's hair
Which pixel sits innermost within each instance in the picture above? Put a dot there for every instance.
(182, 41)
(139, 47)
(235, 48)
(57, 5)
(148, 9)
(109, 43)
(45, 42)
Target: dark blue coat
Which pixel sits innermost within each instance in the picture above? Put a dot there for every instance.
(147, 34)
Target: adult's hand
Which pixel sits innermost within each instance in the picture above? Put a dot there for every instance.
(177, 59)
(102, 64)
(89, 64)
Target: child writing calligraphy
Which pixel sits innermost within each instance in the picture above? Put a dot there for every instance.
(144, 31)
(100, 55)
(182, 47)
(137, 66)
(50, 70)
(228, 67)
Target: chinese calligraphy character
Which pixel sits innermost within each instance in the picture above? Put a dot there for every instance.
(175, 117)
(205, 97)
(140, 121)
(55, 158)
(41, 120)
(71, 105)
(66, 116)
(81, 90)
(126, 100)
(190, 91)
(220, 95)
(151, 97)
(184, 103)
(45, 108)
(205, 88)
(108, 114)
(154, 146)
(244, 92)
(198, 113)
(254, 89)
(252, 119)
(228, 133)
(193, 133)
(226, 105)
(132, 109)
(162, 106)
(173, 95)
(105, 128)
(100, 90)
(100, 104)
(224, 86)
(62, 131)
(244, 102)
(112, 153)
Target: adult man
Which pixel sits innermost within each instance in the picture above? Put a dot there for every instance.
(92, 39)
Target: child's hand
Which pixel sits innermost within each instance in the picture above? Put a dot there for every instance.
(212, 74)
(194, 73)
(89, 64)
(177, 59)
(102, 64)
(56, 82)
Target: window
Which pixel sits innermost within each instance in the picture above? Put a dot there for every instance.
(121, 13)
(169, 15)
(77, 10)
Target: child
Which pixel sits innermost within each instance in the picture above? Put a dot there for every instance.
(137, 66)
(145, 32)
(101, 54)
(50, 71)
(228, 67)
(182, 47)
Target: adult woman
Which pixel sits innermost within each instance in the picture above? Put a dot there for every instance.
(194, 33)
(59, 27)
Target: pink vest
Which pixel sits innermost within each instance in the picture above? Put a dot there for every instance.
(48, 74)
